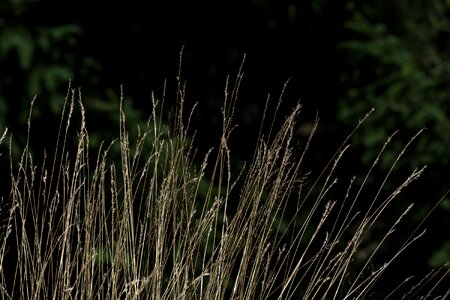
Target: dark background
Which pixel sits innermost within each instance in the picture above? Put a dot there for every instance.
(341, 58)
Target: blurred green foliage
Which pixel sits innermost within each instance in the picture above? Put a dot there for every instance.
(400, 65)
(401, 58)
(33, 60)
(39, 60)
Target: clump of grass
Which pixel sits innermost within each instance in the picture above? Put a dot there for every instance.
(79, 225)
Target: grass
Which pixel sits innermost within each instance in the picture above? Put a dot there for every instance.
(153, 224)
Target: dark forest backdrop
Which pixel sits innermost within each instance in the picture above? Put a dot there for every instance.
(341, 58)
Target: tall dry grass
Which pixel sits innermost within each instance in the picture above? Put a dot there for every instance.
(83, 225)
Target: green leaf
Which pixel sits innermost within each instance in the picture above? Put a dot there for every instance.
(441, 256)
(20, 41)
(64, 31)
(55, 75)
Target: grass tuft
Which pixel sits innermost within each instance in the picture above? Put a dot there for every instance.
(152, 224)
